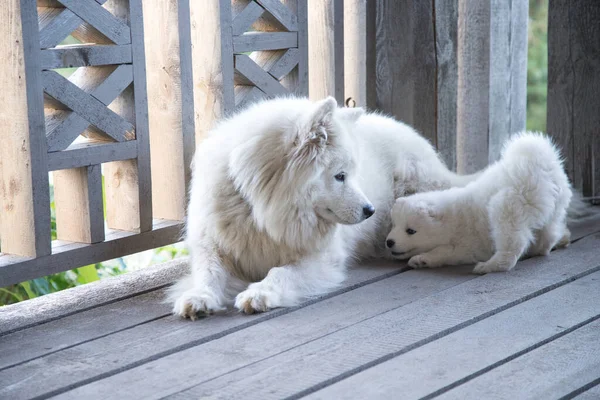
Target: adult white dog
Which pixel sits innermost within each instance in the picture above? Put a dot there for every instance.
(517, 206)
(279, 197)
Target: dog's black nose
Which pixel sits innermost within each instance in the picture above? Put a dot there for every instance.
(390, 243)
(368, 210)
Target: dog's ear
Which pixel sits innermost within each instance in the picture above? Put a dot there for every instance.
(350, 115)
(427, 210)
(315, 134)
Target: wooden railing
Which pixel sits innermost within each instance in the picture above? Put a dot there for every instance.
(154, 77)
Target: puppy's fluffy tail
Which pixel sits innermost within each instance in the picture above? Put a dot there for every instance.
(538, 153)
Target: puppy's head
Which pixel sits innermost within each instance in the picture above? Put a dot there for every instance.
(416, 228)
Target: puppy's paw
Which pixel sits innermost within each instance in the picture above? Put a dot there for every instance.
(420, 261)
(194, 301)
(490, 266)
(256, 299)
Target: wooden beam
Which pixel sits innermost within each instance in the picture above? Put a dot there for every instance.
(573, 86)
(128, 183)
(79, 213)
(24, 187)
(326, 49)
(212, 65)
(355, 53)
(161, 19)
(256, 41)
(85, 56)
(87, 154)
(69, 255)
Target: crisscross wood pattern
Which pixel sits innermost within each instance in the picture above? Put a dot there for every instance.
(269, 50)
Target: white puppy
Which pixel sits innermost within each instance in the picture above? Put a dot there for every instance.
(516, 207)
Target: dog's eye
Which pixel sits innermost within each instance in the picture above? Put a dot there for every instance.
(411, 231)
(341, 177)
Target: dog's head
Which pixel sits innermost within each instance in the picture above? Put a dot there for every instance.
(325, 150)
(298, 168)
(416, 228)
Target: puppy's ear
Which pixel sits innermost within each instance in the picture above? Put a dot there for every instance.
(350, 115)
(316, 132)
(428, 210)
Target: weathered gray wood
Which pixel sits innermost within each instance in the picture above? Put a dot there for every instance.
(302, 73)
(508, 72)
(244, 20)
(246, 95)
(472, 115)
(259, 77)
(552, 371)
(50, 337)
(14, 269)
(315, 362)
(142, 134)
(446, 44)
(87, 106)
(145, 342)
(62, 135)
(470, 352)
(101, 19)
(406, 64)
(85, 56)
(317, 351)
(285, 64)
(254, 41)
(573, 87)
(590, 394)
(281, 12)
(371, 56)
(96, 212)
(53, 33)
(101, 294)
(87, 154)
(187, 88)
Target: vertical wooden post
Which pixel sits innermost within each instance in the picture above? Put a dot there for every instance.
(128, 183)
(326, 49)
(355, 53)
(78, 204)
(473, 85)
(211, 39)
(508, 72)
(406, 63)
(574, 88)
(24, 188)
(492, 76)
(163, 71)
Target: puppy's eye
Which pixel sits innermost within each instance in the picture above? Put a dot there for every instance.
(341, 177)
(411, 231)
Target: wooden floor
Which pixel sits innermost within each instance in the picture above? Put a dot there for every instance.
(391, 332)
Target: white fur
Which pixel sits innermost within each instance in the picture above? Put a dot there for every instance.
(265, 206)
(516, 207)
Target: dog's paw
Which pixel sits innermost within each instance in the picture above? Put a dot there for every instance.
(193, 302)
(419, 261)
(255, 300)
(490, 266)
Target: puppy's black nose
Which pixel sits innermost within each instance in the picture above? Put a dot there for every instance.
(368, 210)
(390, 243)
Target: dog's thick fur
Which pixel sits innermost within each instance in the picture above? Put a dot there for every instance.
(517, 206)
(278, 197)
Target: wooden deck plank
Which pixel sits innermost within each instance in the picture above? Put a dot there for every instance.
(95, 359)
(298, 370)
(590, 394)
(322, 344)
(549, 372)
(470, 352)
(21, 346)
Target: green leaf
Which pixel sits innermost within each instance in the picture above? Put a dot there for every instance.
(27, 287)
(87, 274)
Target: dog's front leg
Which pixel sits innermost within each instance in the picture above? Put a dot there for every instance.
(440, 256)
(289, 285)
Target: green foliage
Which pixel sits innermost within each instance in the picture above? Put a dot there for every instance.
(537, 65)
